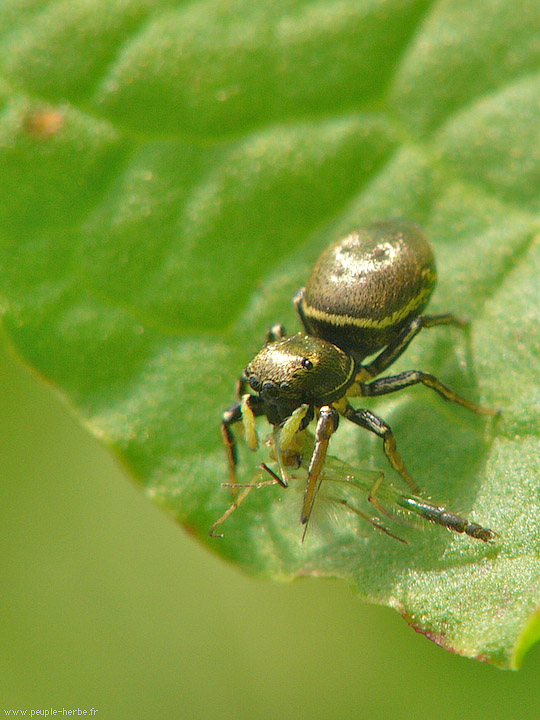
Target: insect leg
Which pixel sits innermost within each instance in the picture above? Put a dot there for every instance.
(374, 521)
(246, 489)
(243, 495)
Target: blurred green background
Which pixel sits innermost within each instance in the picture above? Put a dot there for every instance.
(108, 604)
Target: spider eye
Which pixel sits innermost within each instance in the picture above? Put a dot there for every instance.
(270, 388)
(307, 364)
(255, 383)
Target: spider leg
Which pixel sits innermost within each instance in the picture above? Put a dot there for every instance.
(373, 423)
(386, 385)
(326, 427)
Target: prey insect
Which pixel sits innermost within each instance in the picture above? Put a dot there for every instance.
(365, 298)
(388, 501)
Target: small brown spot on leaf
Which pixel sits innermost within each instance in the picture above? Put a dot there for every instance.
(44, 123)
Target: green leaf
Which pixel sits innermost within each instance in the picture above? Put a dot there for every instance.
(170, 171)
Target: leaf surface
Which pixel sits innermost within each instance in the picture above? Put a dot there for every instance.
(169, 173)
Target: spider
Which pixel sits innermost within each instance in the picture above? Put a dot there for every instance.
(365, 297)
